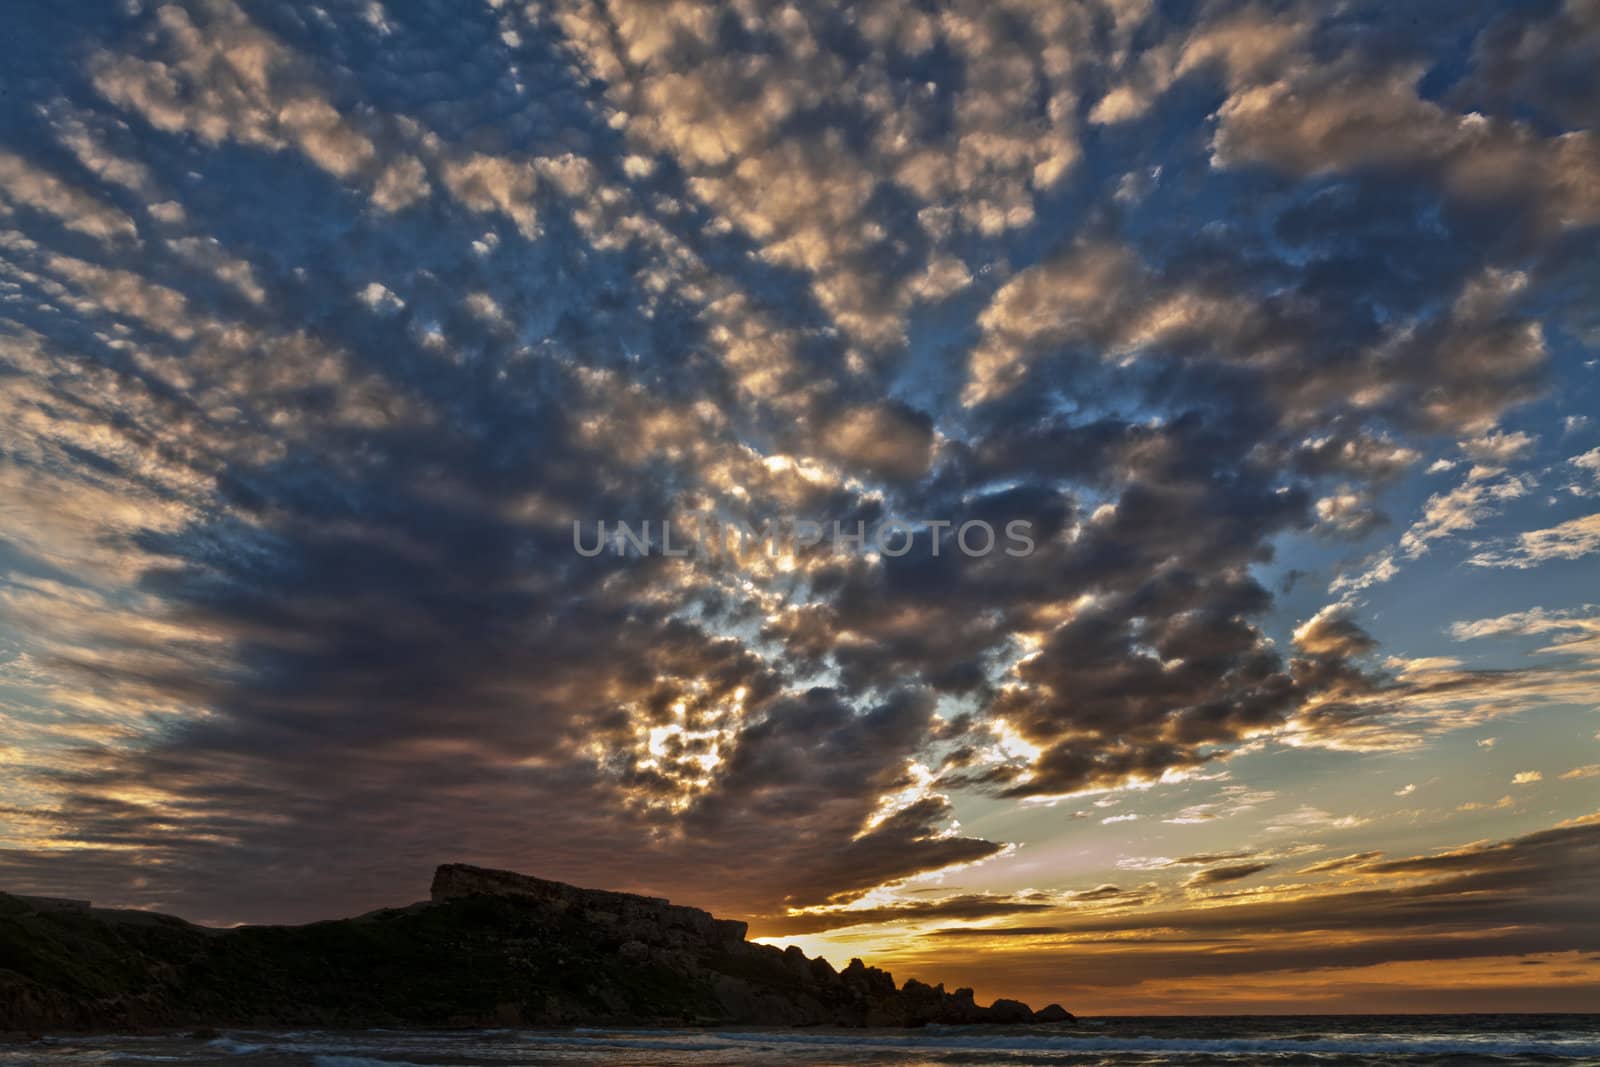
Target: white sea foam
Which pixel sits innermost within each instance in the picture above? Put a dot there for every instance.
(697, 1042)
(230, 1045)
(1126, 1042)
(1378, 1045)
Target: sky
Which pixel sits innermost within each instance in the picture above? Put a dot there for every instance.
(322, 325)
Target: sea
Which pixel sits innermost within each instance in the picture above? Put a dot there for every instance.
(1112, 1042)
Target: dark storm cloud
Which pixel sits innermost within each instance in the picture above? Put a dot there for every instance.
(321, 328)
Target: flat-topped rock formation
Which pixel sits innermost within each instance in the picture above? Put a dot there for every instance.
(490, 948)
(453, 881)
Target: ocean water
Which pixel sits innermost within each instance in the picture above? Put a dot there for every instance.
(1112, 1042)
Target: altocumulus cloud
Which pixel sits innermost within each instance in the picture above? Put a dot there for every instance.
(321, 326)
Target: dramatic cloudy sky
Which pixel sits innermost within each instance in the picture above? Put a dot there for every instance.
(321, 323)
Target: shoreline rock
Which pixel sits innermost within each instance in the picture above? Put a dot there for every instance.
(489, 948)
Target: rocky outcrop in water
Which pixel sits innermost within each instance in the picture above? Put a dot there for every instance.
(490, 948)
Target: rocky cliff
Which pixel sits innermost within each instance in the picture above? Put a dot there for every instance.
(621, 911)
(489, 948)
